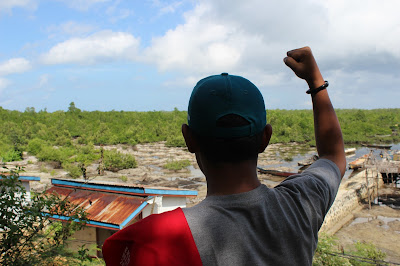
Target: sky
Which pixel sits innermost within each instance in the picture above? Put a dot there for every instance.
(148, 55)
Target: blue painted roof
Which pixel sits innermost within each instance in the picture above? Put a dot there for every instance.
(92, 223)
(123, 188)
(27, 178)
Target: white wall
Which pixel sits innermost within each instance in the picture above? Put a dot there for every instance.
(28, 190)
(171, 203)
(160, 204)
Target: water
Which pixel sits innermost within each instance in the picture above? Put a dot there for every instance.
(293, 164)
(376, 152)
(360, 151)
(156, 169)
(194, 172)
(383, 220)
(392, 201)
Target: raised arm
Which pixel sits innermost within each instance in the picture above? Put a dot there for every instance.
(328, 134)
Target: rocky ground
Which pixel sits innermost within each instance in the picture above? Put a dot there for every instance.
(380, 225)
(152, 157)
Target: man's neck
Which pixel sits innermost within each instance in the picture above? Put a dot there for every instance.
(231, 178)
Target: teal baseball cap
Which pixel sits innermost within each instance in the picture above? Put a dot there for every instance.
(217, 96)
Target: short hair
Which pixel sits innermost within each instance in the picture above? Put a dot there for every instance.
(231, 150)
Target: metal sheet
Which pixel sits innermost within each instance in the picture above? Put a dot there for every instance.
(101, 206)
(128, 189)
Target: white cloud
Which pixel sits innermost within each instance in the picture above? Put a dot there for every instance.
(119, 14)
(253, 36)
(7, 5)
(362, 27)
(70, 28)
(215, 37)
(116, 13)
(198, 45)
(247, 37)
(83, 5)
(355, 43)
(14, 65)
(169, 7)
(99, 47)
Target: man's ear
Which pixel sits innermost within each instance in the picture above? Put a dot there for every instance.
(266, 137)
(190, 139)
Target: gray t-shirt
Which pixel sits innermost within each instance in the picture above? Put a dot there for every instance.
(266, 226)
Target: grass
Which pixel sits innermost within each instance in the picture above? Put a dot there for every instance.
(43, 169)
(176, 165)
(123, 178)
(330, 253)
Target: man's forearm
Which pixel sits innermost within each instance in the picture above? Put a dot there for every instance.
(328, 135)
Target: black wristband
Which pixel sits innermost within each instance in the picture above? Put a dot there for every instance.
(320, 88)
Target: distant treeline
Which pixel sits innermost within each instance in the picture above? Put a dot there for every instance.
(37, 131)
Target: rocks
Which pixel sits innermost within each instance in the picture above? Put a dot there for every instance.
(151, 157)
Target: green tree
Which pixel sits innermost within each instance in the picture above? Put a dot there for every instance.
(73, 109)
(29, 237)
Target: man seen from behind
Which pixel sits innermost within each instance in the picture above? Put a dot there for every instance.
(241, 221)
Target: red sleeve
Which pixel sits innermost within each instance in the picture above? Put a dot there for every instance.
(160, 239)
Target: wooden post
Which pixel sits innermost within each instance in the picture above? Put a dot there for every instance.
(377, 186)
(101, 164)
(368, 192)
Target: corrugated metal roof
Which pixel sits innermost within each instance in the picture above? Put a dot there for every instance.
(111, 183)
(102, 207)
(131, 189)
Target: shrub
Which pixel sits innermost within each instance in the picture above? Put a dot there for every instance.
(86, 154)
(59, 155)
(328, 253)
(50, 154)
(63, 141)
(73, 170)
(367, 250)
(123, 178)
(327, 245)
(11, 156)
(175, 141)
(176, 165)
(35, 146)
(115, 161)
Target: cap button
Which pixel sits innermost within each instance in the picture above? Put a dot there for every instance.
(224, 74)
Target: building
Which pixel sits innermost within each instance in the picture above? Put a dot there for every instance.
(114, 206)
(26, 183)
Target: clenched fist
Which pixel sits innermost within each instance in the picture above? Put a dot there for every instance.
(302, 62)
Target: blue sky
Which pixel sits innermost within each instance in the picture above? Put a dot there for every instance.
(148, 55)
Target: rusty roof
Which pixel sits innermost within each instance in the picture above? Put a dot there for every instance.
(103, 209)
